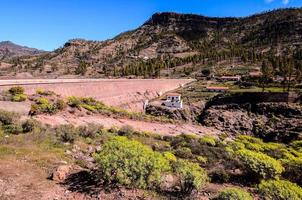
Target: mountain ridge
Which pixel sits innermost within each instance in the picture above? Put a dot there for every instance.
(8, 49)
(185, 40)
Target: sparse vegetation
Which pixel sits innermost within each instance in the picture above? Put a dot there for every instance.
(279, 190)
(17, 94)
(92, 105)
(233, 194)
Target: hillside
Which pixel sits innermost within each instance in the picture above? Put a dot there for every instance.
(171, 44)
(10, 50)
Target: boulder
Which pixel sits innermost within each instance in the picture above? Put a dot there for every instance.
(62, 172)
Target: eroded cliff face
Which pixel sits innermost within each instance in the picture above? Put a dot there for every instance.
(188, 114)
(272, 121)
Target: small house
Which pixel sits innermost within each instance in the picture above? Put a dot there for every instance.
(217, 89)
(173, 100)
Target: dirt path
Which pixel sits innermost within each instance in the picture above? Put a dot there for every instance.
(107, 122)
(21, 180)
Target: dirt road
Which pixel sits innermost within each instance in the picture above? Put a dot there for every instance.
(108, 122)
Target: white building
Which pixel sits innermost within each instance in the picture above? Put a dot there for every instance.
(173, 100)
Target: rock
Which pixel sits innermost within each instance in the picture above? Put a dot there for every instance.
(62, 172)
(169, 183)
(186, 114)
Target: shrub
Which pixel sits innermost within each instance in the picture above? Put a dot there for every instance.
(90, 130)
(233, 194)
(297, 144)
(260, 165)
(170, 156)
(67, 133)
(60, 104)
(88, 107)
(29, 125)
(293, 169)
(126, 130)
(191, 175)
(220, 175)
(183, 152)
(208, 140)
(130, 163)
(16, 90)
(201, 159)
(19, 98)
(13, 129)
(279, 190)
(7, 117)
(43, 105)
(43, 92)
(74, 102)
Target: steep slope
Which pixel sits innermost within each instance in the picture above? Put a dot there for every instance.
(184, 43)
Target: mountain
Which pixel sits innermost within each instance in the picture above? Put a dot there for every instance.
(10, 50)
(172, 44)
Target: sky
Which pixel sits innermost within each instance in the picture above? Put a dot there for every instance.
(48, 24)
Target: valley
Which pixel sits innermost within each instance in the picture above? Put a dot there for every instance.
(182, 107)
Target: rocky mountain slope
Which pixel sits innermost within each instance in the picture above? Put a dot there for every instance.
(10, 50)
(171, 43)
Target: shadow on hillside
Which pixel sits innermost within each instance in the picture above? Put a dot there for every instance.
(84, 182)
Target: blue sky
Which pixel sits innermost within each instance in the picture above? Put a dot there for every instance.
(48, 24)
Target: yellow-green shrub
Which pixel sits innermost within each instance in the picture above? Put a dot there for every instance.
(260, 164)
(279, 190)
(191, 175)
(130, 163)
(233, 194)
(208, 140)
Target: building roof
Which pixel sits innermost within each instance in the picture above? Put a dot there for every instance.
(217, 88)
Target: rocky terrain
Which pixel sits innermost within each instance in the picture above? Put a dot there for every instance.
(275, 121)
(172, 44)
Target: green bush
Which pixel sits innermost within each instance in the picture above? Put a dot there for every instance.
(259, 165)
(60, 104)
(297, 145)
(126, 130)
(220, 175)
(16, 90)
(279, 190)
(19, 98)
(191, 175)
(74, 102)
(43, 92)
(13, 129)
(43, 105)
(90, 130)
(183, 152)
(233, 194)
(7, 117)
(30, 125)
(67, 133)
(130, 163)
(208, 140)
(170, 156)
(293, 169)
